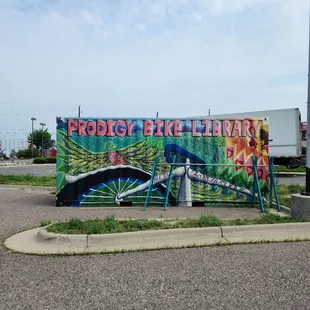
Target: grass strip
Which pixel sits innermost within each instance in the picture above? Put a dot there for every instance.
(27, 180)
(112, 225)
(285, 169)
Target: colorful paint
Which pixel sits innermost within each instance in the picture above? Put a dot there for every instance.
(106, 162)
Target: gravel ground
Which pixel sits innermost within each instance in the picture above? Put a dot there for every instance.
(265, 276)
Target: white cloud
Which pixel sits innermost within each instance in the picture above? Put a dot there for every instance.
(135, 58)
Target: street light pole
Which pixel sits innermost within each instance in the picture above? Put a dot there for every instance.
(32, 120)
(308, 123)
(42, 124)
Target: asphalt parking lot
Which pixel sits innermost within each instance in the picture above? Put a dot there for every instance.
(262, 276)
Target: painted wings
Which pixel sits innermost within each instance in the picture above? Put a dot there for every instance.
(76, 159)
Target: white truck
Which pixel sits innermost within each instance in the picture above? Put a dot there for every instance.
(284, 133)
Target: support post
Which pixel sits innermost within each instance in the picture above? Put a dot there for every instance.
(149, 191)
(169, 183)
(256, 184)
(273, 186)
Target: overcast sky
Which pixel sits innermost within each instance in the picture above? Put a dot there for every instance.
(133, 58)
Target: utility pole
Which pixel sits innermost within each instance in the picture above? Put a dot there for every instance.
(79, 112)
(157, 115)
(32, 120)
(209, 113)
(308, 123)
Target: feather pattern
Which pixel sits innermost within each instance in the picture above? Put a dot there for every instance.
(140, 155)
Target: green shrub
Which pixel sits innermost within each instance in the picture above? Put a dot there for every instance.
(51, 160)
(45, 160)
(26, 153)
(39, 160)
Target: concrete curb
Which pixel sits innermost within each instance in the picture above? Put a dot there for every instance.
(269, 232)
(13, 165)
(22, 187)
(39, 241)
(289, 173)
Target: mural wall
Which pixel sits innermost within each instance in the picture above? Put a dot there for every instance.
(104, 162)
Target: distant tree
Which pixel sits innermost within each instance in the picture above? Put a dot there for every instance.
(2, 155)
(37, 139)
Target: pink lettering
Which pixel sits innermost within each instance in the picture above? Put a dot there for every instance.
(167, 128)
(226, 128)
(158, 132)
(177, 132)
(82, 127)
(91, 128)
(207, 124)
(72, 126)
(129, 128)
(194, 132)
(216, 128)
(257, 126)
(245, 128)
(101, 124)
(147, 128)
(236, 129)
(110, 132)
(119, 130)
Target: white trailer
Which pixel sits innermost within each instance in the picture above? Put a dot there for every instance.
(284, 133)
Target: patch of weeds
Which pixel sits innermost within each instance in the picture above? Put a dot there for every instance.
(267, 218)
(27, 179)
(271, 218)
(286, 201)
(112, 225)
(290, 189)
(209, 220)
(295, 188)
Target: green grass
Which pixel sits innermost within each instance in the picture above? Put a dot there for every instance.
(112, 225)
(285, 192)
(290, 189)
(285, 169)
(27, 180)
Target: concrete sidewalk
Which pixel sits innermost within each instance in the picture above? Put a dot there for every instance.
(39, 241)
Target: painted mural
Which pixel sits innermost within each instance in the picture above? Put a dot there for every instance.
(106, 162)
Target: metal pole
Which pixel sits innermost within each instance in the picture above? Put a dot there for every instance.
(79, 113)
(32, 120)
(42, 124)
(32, 139)
(308, 123)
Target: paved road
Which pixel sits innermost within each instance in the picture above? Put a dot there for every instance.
(50, 170)
(292, 180)
(37, 170)
(266, 276)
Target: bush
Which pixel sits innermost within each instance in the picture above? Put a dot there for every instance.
(26, 153)
(45, 160)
